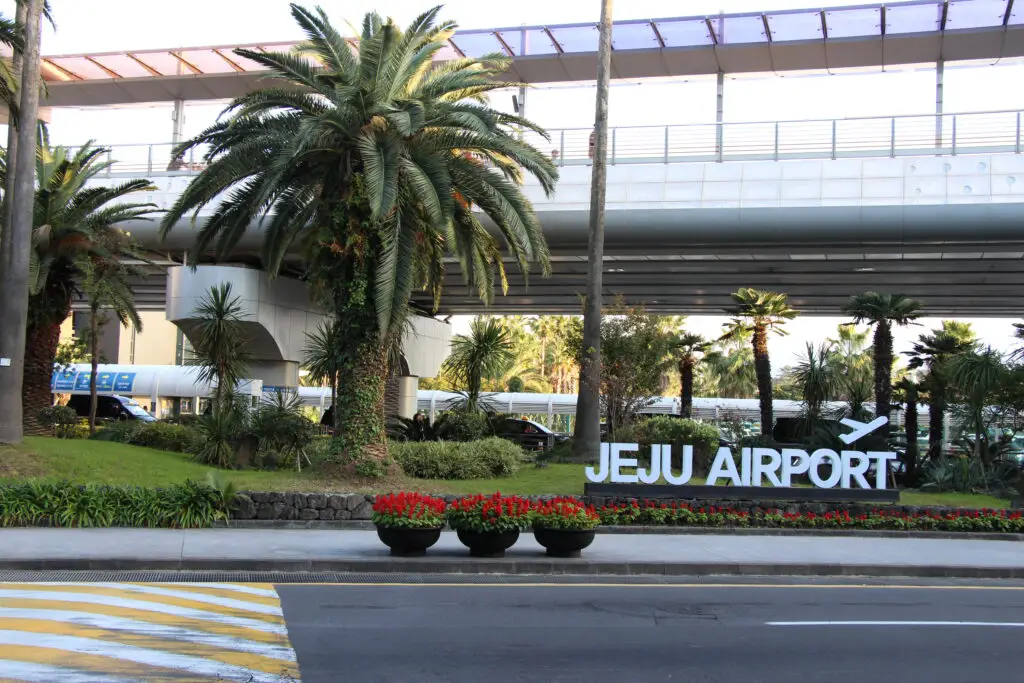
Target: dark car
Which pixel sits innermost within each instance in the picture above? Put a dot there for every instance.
(529, 434)
(110, 408)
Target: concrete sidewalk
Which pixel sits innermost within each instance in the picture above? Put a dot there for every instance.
(613, 554)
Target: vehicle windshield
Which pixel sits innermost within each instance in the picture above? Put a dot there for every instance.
(136, 410)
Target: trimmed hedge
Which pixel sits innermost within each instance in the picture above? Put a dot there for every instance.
(676, 432)
(162, 436)
(483, 459)
(189, 505)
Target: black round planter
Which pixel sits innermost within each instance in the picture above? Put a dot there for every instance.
(488, 543)
(408, 542)
(563, 542)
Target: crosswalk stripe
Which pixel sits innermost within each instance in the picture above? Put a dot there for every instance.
(262, 589)
(265, 597)
(188, 602)
(10, 617)
(130, 653)
(174, 620)
(104, 598)
(107, 668)
(242, 660)
(41, 673)
(246, 605)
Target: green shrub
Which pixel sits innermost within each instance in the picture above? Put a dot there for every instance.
(62, 420)
(482, 459)
(461, 425)
(164, 436)
(188, 505)
(676, 432)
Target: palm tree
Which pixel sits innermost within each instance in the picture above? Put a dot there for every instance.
(731, 362)
(909, 393)
(976, 375)
(106, 286)
(687, 349)
(883, 311)
(818, 380)
(933, 351)
(486, 352)
(73, 224)
(760, 313)
(373, 164)
(218, 343)
(322, 357)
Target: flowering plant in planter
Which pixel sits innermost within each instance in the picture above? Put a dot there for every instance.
(489, 514)
(408, 511)
(564, 514)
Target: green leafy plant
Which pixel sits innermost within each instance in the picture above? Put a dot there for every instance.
(408, 511)
(564, 514)
(61, 420)
(483, 459)
(283, 430)
(494, 513)
(676, 432)
(220, 431)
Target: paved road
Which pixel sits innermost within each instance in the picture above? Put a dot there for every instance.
(692, 634)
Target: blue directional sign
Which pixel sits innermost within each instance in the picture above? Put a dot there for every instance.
(124, 382)
(64, 381)
(82, 381)
(105, 381)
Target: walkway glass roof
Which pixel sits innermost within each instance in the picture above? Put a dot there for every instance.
(913, 32)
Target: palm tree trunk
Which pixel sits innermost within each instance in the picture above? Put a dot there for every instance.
(16, 243)
(359, 406)
(763, 366)
(94, 357)
(686, 389)
(936, 420)
(543, 356)
(883, 372)
(41, 343)
(911, 426)
(587, 440)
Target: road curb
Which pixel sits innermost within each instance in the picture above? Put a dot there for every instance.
(530, 566)
(366, 525)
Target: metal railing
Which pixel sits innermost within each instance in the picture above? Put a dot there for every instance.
(887, 136)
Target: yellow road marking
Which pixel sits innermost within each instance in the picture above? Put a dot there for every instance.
(146, 597)
(111, 666)
(242, 659)
(217, 592)
(151, 617)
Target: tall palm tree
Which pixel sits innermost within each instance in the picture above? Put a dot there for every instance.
(760, 313)
(933, 352)
(218, 343)
(883, 311)
(372, 164)
(106, 286)
(731, 362)
(687, 349)
(976, 375)
(73, 224)
(322, 357)
(818, 380)
(485, 353)
(910, 395)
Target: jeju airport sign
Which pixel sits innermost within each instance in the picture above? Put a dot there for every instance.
(756, 465)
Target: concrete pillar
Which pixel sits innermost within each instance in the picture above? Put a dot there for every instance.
(940, 68)
(719, 115)
(178, 121)
(408, 389)
(276, 374)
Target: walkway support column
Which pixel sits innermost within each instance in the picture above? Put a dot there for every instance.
(940, 69)
(408, 388)
(719, 115)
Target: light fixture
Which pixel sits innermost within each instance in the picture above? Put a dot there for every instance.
(864, 270)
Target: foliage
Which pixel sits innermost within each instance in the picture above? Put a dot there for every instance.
(69, 353)
(495, 513)
(976, 376)
(963, 474)
(647, 512)
(408, 511)
(188, 505)
(465, 425)
(281, 427)
(486, 353)
(322, 359)
(220, 432)
(730, 366)
(677, 433)
(378, 162)
(687, 350)
(564, 514)
(162, 436)
(218, 342)
(818, 379)
(61, 420)
(758, 313)
(482, 459)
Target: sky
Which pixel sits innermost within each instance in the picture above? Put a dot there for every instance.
(116, 25)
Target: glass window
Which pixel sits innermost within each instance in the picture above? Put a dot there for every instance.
(514, 427)
(633, 36)
(912, 18)
(964, 14)
(687, 33)
(740, 29)
(513, 39)
(1016, 15)
(538, 43)
(576, 38)
(795, 26)
(186, 405)
(477, 44)
(851, 23)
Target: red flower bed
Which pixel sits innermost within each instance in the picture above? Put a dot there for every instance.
(564, 514)
(408, 511)
(494, 513)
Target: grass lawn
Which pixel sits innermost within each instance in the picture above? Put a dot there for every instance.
(102, 462)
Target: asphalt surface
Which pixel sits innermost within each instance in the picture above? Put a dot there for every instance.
(738, 632)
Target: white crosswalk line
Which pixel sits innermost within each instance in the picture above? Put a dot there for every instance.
(196, 597)
(41, 673)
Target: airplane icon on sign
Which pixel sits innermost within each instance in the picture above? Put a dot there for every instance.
(861, 429)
